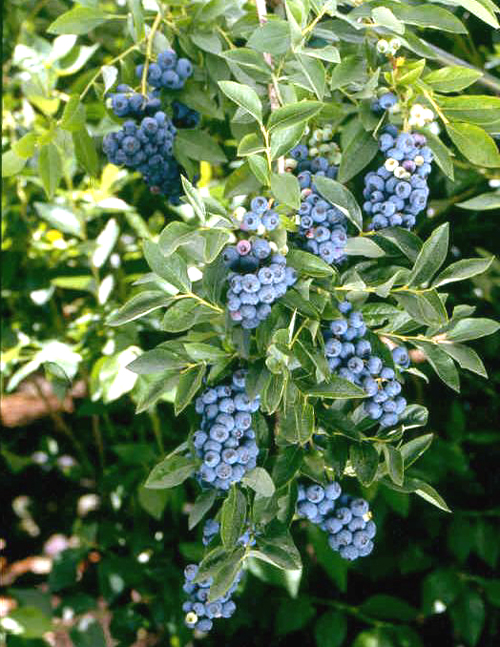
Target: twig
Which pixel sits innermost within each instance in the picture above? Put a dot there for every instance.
(272, 88)
(111, 62)
(149, 53)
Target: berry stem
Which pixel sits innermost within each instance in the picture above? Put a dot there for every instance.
(191, 295)
(111, 62)
(436, 107)
(149, 53)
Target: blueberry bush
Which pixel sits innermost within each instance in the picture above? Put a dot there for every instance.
(248, 251)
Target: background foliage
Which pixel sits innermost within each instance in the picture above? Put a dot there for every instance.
(72, 254)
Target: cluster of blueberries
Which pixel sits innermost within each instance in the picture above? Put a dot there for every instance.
(258, 278)
(146, 140)
(169, 72)
(148, 147)
(350, 356)
(261, 217)
(322, 226)
(397, 192)
(346, 519)
(225, 441)
(211, 529)
(199, 612)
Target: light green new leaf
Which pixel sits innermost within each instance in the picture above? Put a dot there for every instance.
(50, 168)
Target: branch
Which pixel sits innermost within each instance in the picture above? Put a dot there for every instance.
(272, 87)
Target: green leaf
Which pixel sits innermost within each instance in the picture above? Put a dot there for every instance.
(480, 11)
(259, 480)
(296, 425)
(479, 109)
(174, 235)
(405, 241)
(272, 37)
(260, 168)
(284, 139)
(244, 96)
(314, 71)
(225, 576)
(452, 79)
(170, 472)
(139, 305)
(85, 151)
(31, 622)
(204, 501)
(155, 361)
(247, 58)
(330, 629)
(197, 145)
(341, 197)
(309, 264)
(73, 117)
(461, 270)
(194, 198)
(466, 357)
(395, 463)
(349, 70)
(468, 615)
(441, 363)
(384, 17)
(293, 114)
(59, 218)
(233, 517)
(79, 20)
(442, 154)
(483, 202)
(474, 143)
(285, 188)
(328, 53)
(187, 387)
(186, 313)
(50, 168)
(250, 144)
(363, 246)
(173, 269)
(277, 547)
(293, 615)
(26, 146)
(337, 388)
(241, 182)
(388, 607)
(431, 256)
(12, 164)
(428, 16)
(358, 154)
(472, 328)
(200, 352)
(413, 449)
(364, 458)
